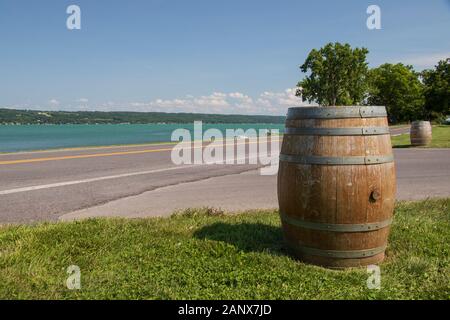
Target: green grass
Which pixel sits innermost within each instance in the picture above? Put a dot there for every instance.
(204, 254)
(441, 138)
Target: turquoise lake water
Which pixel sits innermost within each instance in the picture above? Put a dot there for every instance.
(41, 137)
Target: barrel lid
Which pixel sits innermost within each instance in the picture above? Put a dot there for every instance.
(418, 122)
(336, 112)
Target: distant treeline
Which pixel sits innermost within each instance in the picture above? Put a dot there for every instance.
(13, 116)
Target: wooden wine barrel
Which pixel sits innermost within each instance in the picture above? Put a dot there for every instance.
(420, 133)
(337, 185)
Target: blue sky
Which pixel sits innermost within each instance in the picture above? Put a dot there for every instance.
(197, 55)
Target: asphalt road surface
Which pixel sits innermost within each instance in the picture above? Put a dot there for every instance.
(137, 181)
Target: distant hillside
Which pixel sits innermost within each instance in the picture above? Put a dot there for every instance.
(12, 116)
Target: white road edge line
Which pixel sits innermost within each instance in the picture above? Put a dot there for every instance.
(125, 175)
(69, 183)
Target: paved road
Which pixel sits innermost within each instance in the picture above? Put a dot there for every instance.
(45, 185)
(142, 181)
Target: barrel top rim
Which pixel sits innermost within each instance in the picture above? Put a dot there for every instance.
(333, 112)
(421, 121)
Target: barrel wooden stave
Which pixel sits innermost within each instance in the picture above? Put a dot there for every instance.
(338, 263)
(359, 241)
(328, 240)
(336, 194)
(420, 133)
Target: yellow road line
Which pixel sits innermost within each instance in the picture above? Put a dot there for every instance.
(89, 148)
(84, 156)
(81, 156)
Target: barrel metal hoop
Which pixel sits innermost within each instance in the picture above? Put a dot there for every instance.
(355, 160)
(336, 112)
(361, 227)
(362, 131)
(344, 254)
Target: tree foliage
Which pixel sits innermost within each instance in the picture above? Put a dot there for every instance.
(437, 89)
(397, 87)
(337, 75)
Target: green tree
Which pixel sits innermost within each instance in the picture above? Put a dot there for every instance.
(397, 87)
(337, 75)
(437, 89)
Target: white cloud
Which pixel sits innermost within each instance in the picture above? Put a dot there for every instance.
(266, 103)
(424, 61)
(54, 102)
(237, 95)
(217, 99)
(269, 102)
